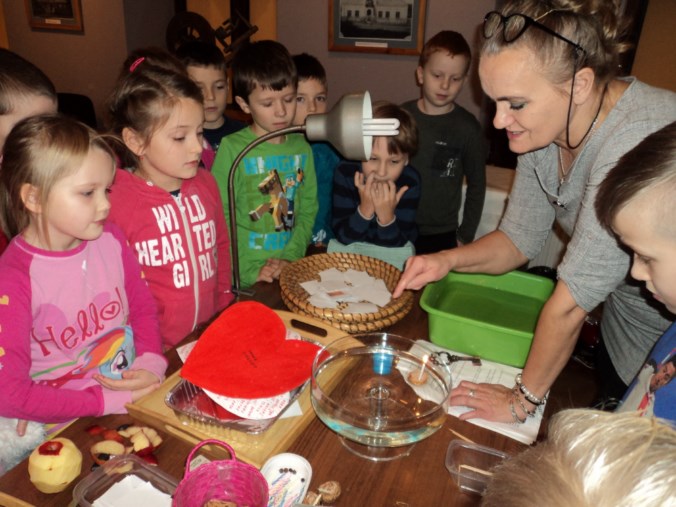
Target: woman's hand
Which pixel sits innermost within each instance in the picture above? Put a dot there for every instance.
(385, 198)
(139, 382)
(423, 269)
(487, 401)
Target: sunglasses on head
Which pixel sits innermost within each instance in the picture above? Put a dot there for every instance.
(514, 26)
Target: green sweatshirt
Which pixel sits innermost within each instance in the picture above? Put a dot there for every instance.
(276, 197)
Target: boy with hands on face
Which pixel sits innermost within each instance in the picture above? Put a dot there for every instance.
(375, 201)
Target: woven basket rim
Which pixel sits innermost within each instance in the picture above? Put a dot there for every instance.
(307, 268)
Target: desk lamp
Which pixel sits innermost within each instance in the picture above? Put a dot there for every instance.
(349, 127)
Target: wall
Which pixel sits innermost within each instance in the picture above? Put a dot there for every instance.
(4, 43)
(262, 13)
(88, 63)
(654, 50)
(302, 25)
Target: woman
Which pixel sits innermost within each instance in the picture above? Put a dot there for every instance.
(551, 67)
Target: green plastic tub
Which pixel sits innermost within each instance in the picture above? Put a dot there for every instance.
(490, 316)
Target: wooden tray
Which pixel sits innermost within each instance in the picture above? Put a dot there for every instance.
(254, 449)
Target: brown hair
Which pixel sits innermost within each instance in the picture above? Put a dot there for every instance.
(450, 42)
(19, 77)
(144, 98)
(41, 150)
(650, 165)
(406, 141)
(264, 63)
(592, 24)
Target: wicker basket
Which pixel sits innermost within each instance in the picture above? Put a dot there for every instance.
(308, 268)
(225, 480)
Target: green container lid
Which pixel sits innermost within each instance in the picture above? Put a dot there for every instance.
(490, 316)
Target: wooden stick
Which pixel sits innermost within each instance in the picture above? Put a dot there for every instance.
(461, 436)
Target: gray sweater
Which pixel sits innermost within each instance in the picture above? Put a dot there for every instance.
(595, 268)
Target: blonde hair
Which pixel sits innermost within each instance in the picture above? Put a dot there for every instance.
(40, 151)
(593, 24)
(591, 458)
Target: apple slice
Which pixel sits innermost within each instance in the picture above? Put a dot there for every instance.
(105, 450)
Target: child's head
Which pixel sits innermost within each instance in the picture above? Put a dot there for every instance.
(264, 83)
(158, 114)
(390, 154)
(54, 181)
(442, 69)
(24, 91)
(635, 201)
(312, 87)
(206, 66)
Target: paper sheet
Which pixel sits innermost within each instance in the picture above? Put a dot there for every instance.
(263, 408)
(488, 372)
(362, 292)
(133, 490)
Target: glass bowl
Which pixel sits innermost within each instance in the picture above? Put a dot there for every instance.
(377, 395)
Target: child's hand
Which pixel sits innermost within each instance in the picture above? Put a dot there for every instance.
(385, 199)
(364, 187)
(271, 270)
(132, 380)
(21, 426)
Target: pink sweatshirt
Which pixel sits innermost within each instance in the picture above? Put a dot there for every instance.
(65, 316)
(182, 244)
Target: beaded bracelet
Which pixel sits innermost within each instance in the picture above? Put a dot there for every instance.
(527, 394)
(529, 413)
(514, 414)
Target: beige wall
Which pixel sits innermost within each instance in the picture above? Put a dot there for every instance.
(655, 61)
(263, 14)
(88, 63)
(302, 25)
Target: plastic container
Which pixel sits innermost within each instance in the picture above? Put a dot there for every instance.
(471, 464)
(225, 480)
(490, 316)
(95, 485)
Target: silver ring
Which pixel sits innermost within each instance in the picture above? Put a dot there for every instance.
(471, 393)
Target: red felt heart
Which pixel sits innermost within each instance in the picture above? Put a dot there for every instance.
(244, 353)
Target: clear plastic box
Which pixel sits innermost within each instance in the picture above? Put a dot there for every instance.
(471, 464)
(92, 487)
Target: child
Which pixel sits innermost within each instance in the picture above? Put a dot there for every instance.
(375, 201)
(635, 201)
(79, 333)
(276, 176)
(451, 147)
(176, 223)
(24, 91)
(311, 99)
(206, 66)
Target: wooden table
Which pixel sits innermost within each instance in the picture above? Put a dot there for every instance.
(419, 479)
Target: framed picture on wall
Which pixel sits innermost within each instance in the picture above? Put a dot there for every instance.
(55, 15)
(377, 26)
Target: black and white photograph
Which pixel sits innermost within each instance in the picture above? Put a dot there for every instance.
(54, 14)
(379, 26)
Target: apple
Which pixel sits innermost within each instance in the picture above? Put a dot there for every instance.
(112, 435)
(54, 465)
(106, 450)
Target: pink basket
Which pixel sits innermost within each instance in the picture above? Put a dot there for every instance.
(227, 480)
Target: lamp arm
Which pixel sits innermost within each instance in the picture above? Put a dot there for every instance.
(234, 248)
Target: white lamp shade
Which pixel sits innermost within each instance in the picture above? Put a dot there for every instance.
(343, 126)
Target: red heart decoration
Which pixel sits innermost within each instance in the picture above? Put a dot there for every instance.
(244, 353)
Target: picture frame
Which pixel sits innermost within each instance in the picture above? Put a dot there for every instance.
(368, 26)
(59, 15)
